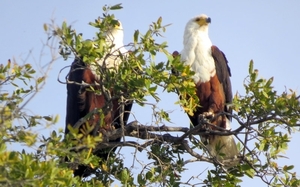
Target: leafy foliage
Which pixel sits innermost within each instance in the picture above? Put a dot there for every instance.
(266, 121)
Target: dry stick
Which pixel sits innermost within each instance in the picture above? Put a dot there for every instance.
(121, 116)
(193, 153)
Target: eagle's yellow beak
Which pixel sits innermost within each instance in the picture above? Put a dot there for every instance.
(118, 25)
(203, 20)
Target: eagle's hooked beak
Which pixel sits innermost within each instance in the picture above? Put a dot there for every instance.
(118, 25)
(208, 20)
(203, 20)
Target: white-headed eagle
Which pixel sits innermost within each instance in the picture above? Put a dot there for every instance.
(81, 100)
(212, 81)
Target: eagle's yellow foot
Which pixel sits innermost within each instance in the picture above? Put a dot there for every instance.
(202, 118)
(207, 115)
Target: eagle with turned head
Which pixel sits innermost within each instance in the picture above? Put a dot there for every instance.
(212, 82)
(81, 100)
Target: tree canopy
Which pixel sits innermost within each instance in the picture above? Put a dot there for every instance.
(266, 121)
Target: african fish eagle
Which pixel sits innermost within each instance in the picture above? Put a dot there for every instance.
(81, 100)
(212, 81)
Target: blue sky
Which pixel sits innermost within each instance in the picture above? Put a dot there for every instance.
(265, 31)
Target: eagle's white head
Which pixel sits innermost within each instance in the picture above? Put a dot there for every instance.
(114, 37)
(199, 23)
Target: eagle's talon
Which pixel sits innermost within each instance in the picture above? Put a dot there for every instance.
(205, 115)
(208, 115)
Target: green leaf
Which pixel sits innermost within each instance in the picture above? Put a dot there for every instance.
(250, 173)
(116, 7)
(135, 36)
(159, 21)
(45, 27)
(141, 180)
(40, 80)
(149, 175)
(48, 118)
(269, 82)
(124, 175)
(287, 168)
(251, 67)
